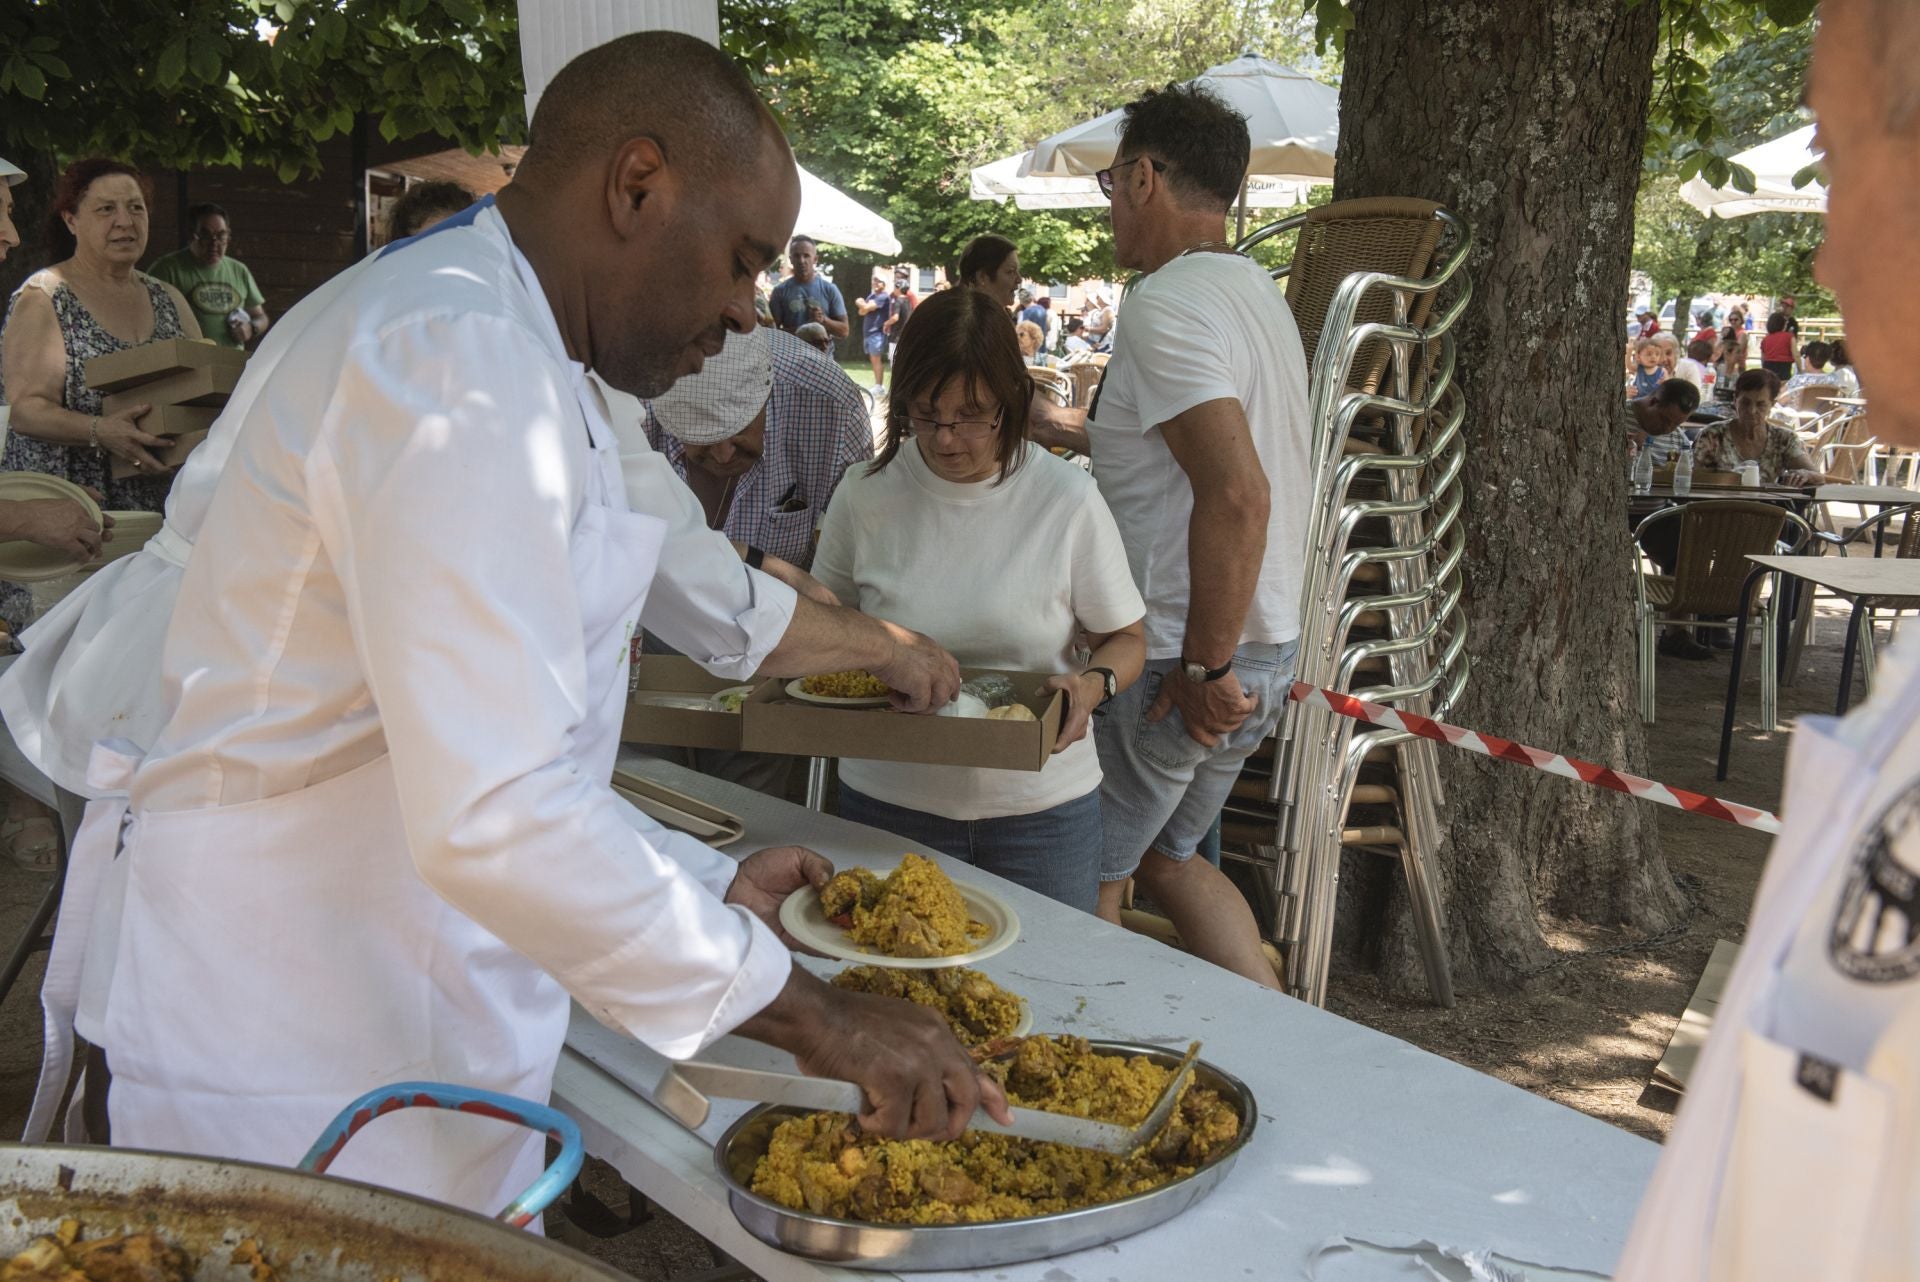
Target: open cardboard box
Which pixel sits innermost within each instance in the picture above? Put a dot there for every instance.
(209, 385)
(670, 675)
(774, 722)
(116, 371)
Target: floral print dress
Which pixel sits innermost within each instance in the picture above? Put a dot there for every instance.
(1781, 451)
(84, 338)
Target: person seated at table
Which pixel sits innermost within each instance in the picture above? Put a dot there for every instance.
(938, 534)
(1843, 371)
(1033, 341)
(1653, 422)
(1813, 369)
(1748, 437)
(1648, 371)
(1076, 341)
(991, 264)
(1706, 333)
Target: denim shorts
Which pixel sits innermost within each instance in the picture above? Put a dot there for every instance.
(1055, 852)
(874, 344)
(1161, 789)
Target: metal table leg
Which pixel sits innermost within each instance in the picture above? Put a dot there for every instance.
(1733, 675)
(1846, 656)
(816, 783)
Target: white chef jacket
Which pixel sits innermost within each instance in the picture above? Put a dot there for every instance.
(1796, 1152)
(91, 670)
(384, 569)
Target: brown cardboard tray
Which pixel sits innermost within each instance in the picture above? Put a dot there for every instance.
(172, 455)
(669, 675)
(164, 420)
(774, 722)
(209, 385)
(117, 370)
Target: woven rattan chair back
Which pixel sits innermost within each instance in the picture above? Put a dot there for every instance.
(1393, 234)
(1716, 538)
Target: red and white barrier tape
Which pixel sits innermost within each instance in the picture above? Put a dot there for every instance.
(1552, 763)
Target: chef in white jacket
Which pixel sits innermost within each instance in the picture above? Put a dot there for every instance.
(1796, 1152)
(374, 839)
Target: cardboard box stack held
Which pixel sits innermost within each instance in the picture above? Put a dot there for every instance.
(186, 381)
(666, 694)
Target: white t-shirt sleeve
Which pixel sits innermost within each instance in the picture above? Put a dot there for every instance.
(1185, 364)
(1104, 596)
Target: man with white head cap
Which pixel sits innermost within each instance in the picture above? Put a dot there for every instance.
(762, 436)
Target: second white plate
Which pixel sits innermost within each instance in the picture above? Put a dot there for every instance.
(832, 701)
(801, 914)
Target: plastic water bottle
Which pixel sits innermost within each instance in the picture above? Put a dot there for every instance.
(1683, 471)
(1643, 471)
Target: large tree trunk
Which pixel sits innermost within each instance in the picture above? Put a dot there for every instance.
(1527, 118)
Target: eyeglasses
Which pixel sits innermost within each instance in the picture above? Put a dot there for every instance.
(965, 429)
(221, 239)
(1105, 176)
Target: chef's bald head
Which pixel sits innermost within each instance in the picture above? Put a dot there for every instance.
(655, 190)
(682, 92)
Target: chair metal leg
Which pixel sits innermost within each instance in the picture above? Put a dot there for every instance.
(1733, 673)
(1869, 660)
(1769, 670)
(817, 783)
(1647, 631)
(1416, 864)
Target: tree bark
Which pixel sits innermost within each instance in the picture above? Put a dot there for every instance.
(1527, 118)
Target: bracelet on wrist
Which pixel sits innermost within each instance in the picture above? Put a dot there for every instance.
(93, 432)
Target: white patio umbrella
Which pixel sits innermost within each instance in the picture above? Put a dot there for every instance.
(1000, 180)
(1292, 119)
(1773, 164)
(830, 215)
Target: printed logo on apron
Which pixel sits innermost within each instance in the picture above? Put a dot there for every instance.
(1876, 929)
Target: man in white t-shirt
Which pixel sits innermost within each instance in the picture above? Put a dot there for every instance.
(1199, 438)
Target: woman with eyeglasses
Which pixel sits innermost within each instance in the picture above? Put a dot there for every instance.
(964, 530)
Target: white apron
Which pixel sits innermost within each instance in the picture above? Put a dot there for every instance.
(336, 968)
(1785, 1166)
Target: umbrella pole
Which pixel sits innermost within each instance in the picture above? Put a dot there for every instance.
(1240, 232)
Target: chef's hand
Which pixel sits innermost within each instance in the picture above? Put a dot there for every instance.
(1084, 693)
(767, 877)
(922, 676)
(1209, 708)
(60, 524)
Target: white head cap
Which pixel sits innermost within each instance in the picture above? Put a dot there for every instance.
(11, 174)
(718, 402)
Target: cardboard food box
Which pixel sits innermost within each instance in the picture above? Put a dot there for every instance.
(172, 455)
(660, 690)
(164, 420)
(209, 385)
(772, 721)
(134, 365)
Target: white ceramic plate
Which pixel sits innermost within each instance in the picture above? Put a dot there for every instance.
(718, 702)
(830, 701)
(800, 913)
(24, 562)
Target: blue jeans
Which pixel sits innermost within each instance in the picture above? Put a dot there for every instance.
(1161, 789)
(1053, 852)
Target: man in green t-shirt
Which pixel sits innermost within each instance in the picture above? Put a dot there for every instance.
(219, 289)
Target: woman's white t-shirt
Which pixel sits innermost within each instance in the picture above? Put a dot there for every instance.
(1004, 576)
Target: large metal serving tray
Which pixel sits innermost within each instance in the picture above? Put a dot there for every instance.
(854, 1244)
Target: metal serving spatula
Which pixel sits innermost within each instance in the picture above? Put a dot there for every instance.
(685, 1090)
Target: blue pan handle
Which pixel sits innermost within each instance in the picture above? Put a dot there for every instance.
(464, 1099)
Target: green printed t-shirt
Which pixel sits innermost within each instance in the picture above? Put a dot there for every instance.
(212, 292)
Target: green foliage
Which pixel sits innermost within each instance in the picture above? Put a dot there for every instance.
(1754, 95)
(897, 100)
(253, 82)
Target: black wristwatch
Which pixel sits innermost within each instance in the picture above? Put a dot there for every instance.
(1109, 683)
(754, 557)
(1200, 673)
